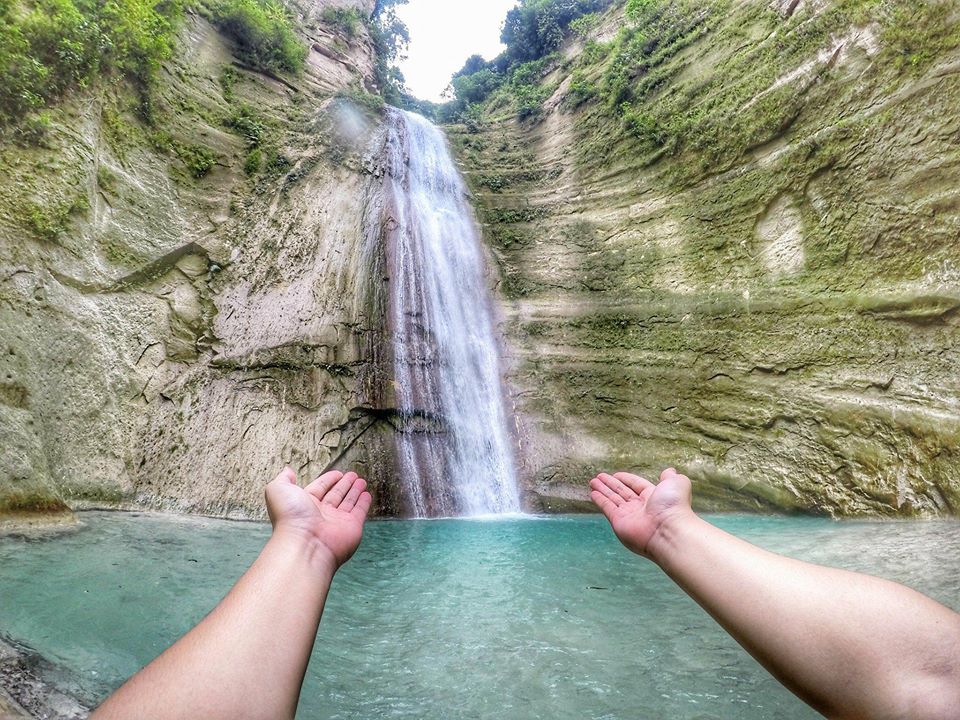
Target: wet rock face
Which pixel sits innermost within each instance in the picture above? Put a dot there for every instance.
(778, 318)
(168, 340)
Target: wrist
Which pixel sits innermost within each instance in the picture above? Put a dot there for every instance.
(296, 542)
(667, 539)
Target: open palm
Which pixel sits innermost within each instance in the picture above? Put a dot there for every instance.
(636, 508)
(331, 510)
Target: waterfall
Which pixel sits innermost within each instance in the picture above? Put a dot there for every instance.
(455, 448)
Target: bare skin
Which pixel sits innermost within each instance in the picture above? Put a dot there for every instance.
(246, 660)
(850, 645)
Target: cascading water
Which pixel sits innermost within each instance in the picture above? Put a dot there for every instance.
(455, 449)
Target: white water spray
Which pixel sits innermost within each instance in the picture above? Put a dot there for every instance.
(455, 448)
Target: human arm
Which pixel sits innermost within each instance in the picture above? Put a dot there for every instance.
(850, 645)
(247, 658)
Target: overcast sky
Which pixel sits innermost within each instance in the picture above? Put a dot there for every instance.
(443, 34)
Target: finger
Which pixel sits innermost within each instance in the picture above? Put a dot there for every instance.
(338, 492)
(286, 477)
(359, 485)
(601, 487)
(321, 486)
(363, 505)
(634, 482)
(617, 486)
(600, 500)
(667, 474)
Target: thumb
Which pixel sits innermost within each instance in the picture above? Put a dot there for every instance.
(286, 478)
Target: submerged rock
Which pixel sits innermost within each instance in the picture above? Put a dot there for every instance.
(26, 693)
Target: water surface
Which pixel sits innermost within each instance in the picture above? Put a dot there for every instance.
(519, 618)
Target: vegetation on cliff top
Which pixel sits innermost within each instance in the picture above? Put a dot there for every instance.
(625, 91)
(263, 33)
(532, 31)
(55, 45)
(51, 47)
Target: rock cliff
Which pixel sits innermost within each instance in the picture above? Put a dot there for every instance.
(729, 240)
(179, 314)
(726, 236)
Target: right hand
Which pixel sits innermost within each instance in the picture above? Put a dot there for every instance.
(329, 512)
(637, 509)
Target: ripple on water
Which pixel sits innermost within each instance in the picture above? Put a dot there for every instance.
(499, 618)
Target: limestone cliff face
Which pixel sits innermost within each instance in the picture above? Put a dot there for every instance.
(752, 272)
(171, 341)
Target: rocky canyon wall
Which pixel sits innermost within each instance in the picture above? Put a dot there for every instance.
(175, 325)
(729, 241)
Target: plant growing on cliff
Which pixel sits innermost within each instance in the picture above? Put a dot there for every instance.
(532, 32)
(390, 40)
(583, 26)
(263, 33)
(538, 27)
(248, 124)
(369, 103)
(251, 166)
(50, 220)
(52, 46)
(199, 160)
(917, 33)
(346, 21)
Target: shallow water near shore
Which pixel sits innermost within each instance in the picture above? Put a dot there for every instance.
(515, 618)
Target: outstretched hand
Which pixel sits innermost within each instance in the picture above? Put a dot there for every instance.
(331, 510)
(637, 509)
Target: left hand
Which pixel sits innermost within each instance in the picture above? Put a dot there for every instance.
(331, 510)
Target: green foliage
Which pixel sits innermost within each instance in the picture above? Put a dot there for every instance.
(433, 111)
(368, 102)
(584, 25)
(106, 179)
(472, 117)
(595, 52)
(390, 40)
(347, 21)
(526, 88)
(161, 141)
(137, 35)
(636, 10)
(917, 33)
(263, 33)
(738, 105)
(275, 162)
(55, 45)
(663, 28)
(511, 216)
(643, 126)
(246, 123)
(33, 129)
(251, 165)
(580, 90)
(228, 82)
(50, 220)
(537, 27)
(198, 159)
(532, 31)
(529, 100)
(476, 87)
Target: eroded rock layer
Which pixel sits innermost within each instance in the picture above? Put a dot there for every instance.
(750, 271)
(178, 321)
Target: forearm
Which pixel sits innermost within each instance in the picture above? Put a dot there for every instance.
(852, 646)
(264, 629)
